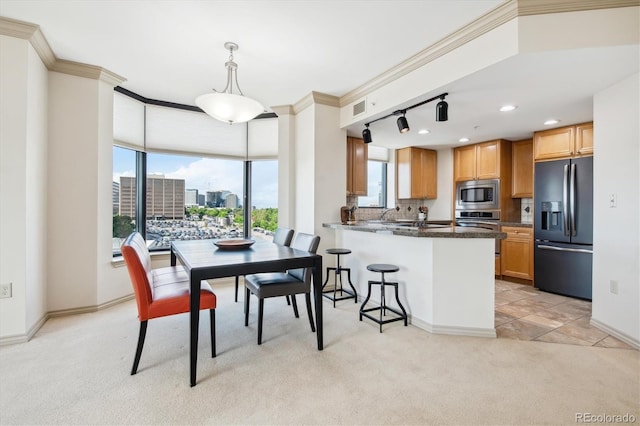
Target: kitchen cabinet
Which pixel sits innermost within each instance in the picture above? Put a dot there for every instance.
(357, 158)
(563, 142)
(522, 169)
(480, 161)
(416, 173)
(516, 253)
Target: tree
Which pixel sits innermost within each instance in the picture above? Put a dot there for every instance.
(122, 226)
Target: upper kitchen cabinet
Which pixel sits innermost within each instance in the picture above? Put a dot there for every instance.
(584, 139)
(357, 157)
(480, 161)
(522, 169)
(563, 142)
(416, 173)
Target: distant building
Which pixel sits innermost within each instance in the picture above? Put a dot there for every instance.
(165, 197)
(190, 197)
(216, 198)
(231, 201)
(115, 197)
(201, 200)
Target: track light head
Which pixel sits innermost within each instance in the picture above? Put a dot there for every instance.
(366, 135)
(442, 109)
(403, 124)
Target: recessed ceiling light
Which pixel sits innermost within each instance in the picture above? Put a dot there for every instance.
(506, 108)
(551, 122)
(463, 140)
(423, 131)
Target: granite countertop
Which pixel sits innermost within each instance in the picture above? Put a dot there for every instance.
(431, 230)
(517, 224)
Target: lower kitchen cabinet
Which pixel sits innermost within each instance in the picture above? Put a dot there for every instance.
(516, 253)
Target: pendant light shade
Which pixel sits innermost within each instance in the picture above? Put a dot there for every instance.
(228, 106)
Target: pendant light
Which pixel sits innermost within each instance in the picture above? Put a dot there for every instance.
(228, 106)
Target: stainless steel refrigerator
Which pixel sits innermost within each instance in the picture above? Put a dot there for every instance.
(563, 226)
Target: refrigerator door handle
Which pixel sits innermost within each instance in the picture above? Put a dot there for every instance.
(565, 185)
(573, 250)
(572, 200)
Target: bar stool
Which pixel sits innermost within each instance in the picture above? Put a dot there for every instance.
(338, 272)
(383, 268)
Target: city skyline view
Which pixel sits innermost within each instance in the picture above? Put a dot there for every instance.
(206, 174)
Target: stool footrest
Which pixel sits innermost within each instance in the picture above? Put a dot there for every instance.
(329, 294)
(400, 317)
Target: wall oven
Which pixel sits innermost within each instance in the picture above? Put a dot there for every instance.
(481, 194)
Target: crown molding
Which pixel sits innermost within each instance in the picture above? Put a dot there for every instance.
(87, 71)
(316, 98)
(32, 33)
(485, 23)
(541, 7)
(281, 110)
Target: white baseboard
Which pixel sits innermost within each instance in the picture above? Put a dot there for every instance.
(634, 343)
(22, 338)
(454, 331)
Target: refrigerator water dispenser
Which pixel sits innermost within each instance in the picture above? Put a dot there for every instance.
(551, 215)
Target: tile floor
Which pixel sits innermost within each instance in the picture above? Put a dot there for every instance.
(525, 313)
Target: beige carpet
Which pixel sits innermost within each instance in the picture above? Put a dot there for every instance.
(76, 371)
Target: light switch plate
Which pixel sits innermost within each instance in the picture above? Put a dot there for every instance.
(5, 290)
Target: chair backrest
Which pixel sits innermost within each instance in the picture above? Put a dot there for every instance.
(306, 242)
(283, 236)
(138, 261)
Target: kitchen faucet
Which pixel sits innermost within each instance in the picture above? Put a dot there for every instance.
(384, 212)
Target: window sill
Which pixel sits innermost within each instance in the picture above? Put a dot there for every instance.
(118, 261)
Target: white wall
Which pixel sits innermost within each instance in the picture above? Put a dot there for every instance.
(304, 171)
(440, 208)
(23, 140)
(36, 195)
(617, 230)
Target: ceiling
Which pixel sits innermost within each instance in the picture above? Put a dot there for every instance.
(173, 51)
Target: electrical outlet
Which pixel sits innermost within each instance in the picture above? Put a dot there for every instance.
(613, 286)
(5, 290)
(613, 202)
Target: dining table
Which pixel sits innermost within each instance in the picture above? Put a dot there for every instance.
(204, 260)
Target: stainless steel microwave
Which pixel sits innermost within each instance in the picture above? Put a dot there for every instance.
(478, 195)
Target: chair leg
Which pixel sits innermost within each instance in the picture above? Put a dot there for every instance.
(212, 317)
(260, 313)
(236, 299)
(288, 301)
(141, 336)
(247, 294)
(307, 296)
(295, 305)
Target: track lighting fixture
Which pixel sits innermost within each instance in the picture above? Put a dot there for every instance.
(403, 125)
(442, 114)
(442, 109)
(366, 135)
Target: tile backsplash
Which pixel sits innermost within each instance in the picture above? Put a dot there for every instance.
(526, 210)
(408, 210)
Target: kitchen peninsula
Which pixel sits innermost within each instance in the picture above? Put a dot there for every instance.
(446, 276)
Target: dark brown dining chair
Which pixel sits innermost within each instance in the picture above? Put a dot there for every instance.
(289, 283)
(161, 292)
(282, 236)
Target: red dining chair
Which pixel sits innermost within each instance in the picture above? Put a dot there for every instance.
(161, 292)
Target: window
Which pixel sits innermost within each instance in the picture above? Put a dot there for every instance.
(264, 198)
(376, 185)
(192, 198)
(124, 195)
(195, 188)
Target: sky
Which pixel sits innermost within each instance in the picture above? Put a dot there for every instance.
(205, 174)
